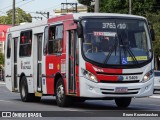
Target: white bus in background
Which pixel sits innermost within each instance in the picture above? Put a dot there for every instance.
(81, 56)
(156, 80)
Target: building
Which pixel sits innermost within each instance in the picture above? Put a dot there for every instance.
(3, 30)
(80, 9)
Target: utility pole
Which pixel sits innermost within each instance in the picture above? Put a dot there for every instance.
(13, 13)
(66, 6)
(96, 7)
(130, 6)
(44, 13)
(38, 18)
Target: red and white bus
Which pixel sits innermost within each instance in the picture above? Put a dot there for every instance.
(81, 56)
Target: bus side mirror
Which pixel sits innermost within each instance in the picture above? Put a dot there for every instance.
(151, 31)
(152, 34)
(79, 30)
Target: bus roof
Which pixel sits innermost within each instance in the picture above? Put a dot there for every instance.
(28, 26)
(77, 15)
(74, 16)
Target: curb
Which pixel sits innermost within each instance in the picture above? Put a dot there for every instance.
(2, 83)
(155, 96)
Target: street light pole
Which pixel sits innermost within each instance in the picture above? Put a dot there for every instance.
(96, 7)
(13, 14)
(130, 6)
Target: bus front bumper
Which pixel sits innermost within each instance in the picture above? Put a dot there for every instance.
(100, 90)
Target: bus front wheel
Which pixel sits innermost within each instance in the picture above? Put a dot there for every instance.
(123, 102)
(61, 98)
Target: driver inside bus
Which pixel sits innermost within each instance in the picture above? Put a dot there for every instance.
(88, 45)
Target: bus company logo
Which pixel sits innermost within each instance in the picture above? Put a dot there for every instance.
(21, 114)
(6, 114)
(120, 78)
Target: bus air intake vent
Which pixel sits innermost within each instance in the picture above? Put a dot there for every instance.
(112, 91)
(128, 81)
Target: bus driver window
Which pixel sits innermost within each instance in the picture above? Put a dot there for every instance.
(55, 39)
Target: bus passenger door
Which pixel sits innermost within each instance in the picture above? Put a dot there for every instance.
(72, 62)
(39, 62)
(8, 63)
(15, 63)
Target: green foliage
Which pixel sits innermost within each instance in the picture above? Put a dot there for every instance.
(114, 6)
(155, 19)
(85, 2)
(1, 59)
(139, 7)
(88, 4)
(21, 16)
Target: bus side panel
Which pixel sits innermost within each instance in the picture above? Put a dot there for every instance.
(53, 66)
(50, 67)
(8, 64)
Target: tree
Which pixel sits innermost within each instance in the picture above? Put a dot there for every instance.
(114, 6)
(21, 16)
(88, 4)
(1, 59)
(139, 7)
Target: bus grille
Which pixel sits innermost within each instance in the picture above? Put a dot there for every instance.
(112, 91)
(129, 81)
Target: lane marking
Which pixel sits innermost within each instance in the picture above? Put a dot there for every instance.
(155, 96)
(138, 104)
(6, 101)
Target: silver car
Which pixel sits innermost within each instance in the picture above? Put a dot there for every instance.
(156, 80)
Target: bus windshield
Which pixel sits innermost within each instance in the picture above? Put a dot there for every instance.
(116, 41)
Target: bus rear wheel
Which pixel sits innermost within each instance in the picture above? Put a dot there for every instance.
(123, 102)
(25, 96)
(61, 98)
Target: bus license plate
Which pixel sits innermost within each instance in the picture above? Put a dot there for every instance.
(121, 89)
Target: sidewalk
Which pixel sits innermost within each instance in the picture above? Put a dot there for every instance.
(2, 82)
(155, 96)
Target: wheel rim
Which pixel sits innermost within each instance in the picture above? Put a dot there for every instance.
(23, 91)
(60, 93)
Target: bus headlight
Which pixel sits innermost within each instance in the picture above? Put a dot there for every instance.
(89, 75)
(147, 76)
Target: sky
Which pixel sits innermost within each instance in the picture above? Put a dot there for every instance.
(31, 6)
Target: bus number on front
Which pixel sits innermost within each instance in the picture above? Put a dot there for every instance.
(108, 25)
(114, 26)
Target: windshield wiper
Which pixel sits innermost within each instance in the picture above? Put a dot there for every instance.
(131, 54)
(111, 51)
(126, 48)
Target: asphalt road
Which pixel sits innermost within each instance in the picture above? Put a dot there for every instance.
(90, 109)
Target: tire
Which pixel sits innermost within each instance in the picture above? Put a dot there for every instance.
(61, 98)
(123, 102)
(25, 96)
(79, 100)
(36, 99)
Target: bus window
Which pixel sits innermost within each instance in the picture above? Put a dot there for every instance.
(9, 46)
(55, 39)
(45, 47)
(25, 44)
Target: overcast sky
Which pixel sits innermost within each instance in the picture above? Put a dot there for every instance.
(31, 6)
